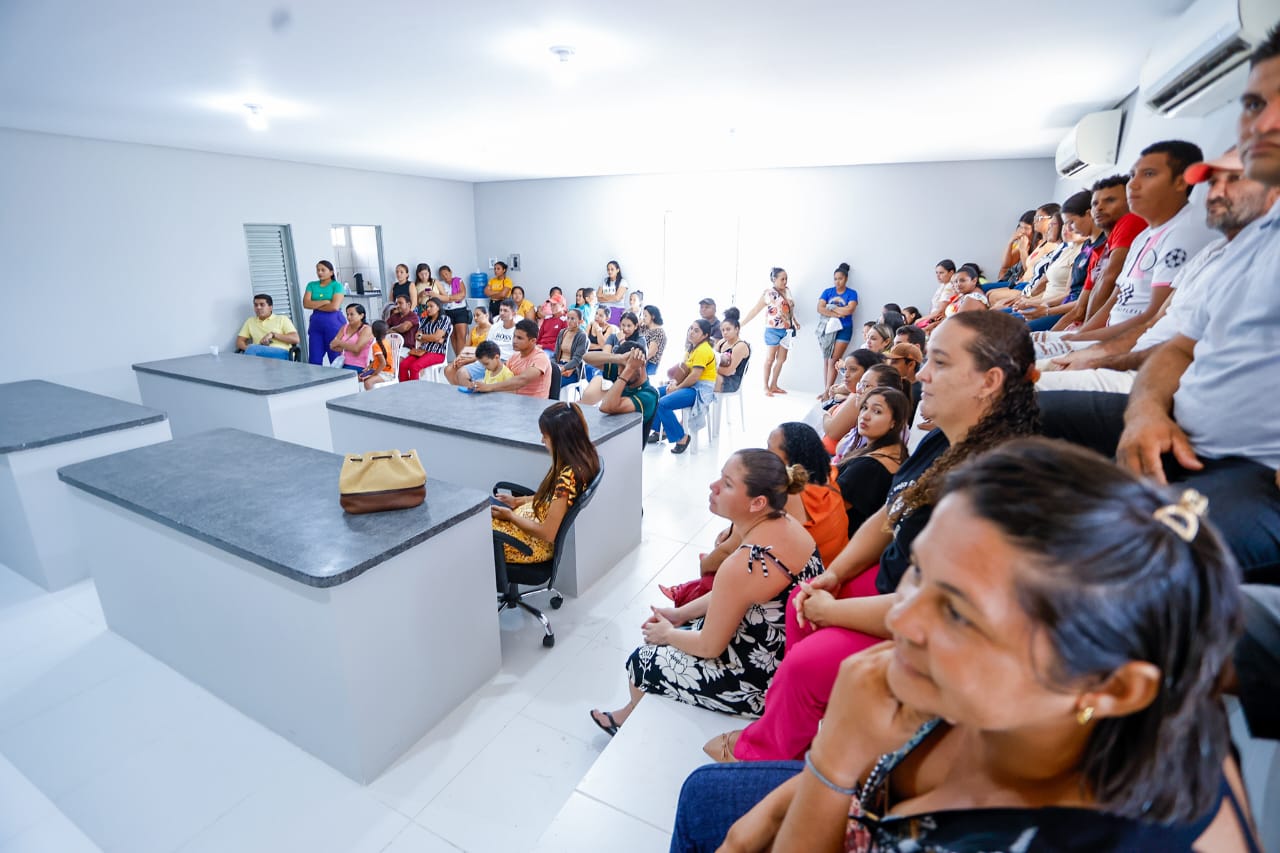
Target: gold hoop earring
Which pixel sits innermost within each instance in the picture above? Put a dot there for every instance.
(1084, 715)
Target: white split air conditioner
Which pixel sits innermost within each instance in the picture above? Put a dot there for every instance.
(1200, 60)
(1091, 146)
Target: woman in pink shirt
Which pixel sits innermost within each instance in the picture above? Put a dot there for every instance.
(354, 340)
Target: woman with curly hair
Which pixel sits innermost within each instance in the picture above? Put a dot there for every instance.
(979, 391)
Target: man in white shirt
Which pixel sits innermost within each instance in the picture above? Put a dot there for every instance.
(1203, 410)
(465, 369)
(1159, 193)
(1233, 201)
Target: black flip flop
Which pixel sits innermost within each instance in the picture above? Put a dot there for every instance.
(611, 729)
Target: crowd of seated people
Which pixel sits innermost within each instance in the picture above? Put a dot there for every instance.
(1025, 641)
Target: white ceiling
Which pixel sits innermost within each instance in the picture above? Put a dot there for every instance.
(469, 90)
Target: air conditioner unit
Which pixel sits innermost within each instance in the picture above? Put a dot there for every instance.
(1092, 145)
(1200, 60)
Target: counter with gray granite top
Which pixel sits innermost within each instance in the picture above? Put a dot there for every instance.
(508, 418)
(479, 439)
(280, 399)
(246, 373)
(35, 413)
(227, 556)
(268, 501)
(44, 426)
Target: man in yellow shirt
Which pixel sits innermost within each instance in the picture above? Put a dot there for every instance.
(266, 334)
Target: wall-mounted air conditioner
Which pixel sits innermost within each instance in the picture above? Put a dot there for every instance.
(1091, 146)
(1200, 60)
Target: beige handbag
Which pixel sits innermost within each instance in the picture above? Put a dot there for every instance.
(381, 480)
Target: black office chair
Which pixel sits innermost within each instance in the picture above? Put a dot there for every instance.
(553, 393)
(538, 575)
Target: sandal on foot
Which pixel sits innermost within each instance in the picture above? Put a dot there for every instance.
(682, 446)
(612, 728)
(720, 747)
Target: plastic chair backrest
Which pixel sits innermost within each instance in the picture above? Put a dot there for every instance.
(395, 343)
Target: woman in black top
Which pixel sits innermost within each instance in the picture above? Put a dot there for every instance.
(866, 473)
(403, 286)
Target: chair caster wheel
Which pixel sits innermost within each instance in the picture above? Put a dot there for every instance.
(549, 640)
(556, 602)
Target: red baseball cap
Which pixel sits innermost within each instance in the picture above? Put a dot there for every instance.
(1198, 173)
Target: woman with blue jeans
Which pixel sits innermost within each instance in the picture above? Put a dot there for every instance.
(693, 389)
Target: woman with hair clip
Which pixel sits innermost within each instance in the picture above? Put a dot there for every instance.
(780, 327)
(865, 472)
(692, 387)
(979, 391)
(720, 651)
(732, 353)
(837, 304)
(323, 299)
(1052, 683)
(818, 507)
(535, 520)
(839, 426)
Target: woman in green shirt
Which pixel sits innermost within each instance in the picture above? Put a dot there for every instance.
(323, 298)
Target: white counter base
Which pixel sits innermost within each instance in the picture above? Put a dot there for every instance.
(355, 673)
(296, 416)
(605, 532)
(40, 533)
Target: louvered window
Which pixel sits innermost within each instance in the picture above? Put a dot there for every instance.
(271, 270)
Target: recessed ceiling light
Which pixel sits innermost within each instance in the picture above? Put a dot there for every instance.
(562, 51)
(255, 117)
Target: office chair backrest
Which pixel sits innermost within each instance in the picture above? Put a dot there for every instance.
(569, 517)
(553, 393)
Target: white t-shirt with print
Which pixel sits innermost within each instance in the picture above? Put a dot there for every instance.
(1190, 285)
(1156, 256)
(503, 337)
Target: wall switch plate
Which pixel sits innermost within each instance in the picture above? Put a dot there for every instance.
(514, 263)
(493, 261)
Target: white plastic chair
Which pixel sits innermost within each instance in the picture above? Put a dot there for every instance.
(722, 402)
(395, 343)
(708, 423)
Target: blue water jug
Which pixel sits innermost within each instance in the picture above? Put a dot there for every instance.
(477, 284)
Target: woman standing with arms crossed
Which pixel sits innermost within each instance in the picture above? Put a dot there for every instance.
(837, 302)
(780, 321)
(498, 288)
(323, 298)
(452, 294)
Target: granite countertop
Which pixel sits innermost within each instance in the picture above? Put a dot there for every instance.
(212, 486)
(247, 373)
(35, 413)
(498, 416)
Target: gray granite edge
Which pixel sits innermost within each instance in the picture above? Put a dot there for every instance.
(142, 420)
(340, 376)
(338, 405)
(302, 577)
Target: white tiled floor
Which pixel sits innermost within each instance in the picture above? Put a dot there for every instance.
(104, 749)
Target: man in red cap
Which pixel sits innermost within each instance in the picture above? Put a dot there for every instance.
(1233, 201)
(1203, 410)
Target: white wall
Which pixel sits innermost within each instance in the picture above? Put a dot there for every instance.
(115, 253)
(681, 237)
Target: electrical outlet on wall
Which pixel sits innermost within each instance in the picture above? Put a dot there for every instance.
(514, 263)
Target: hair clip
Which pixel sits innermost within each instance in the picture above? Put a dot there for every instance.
(1183, 518)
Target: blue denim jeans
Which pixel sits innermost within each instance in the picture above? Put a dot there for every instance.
(716, 795)
(668, 405)
(266, 352)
